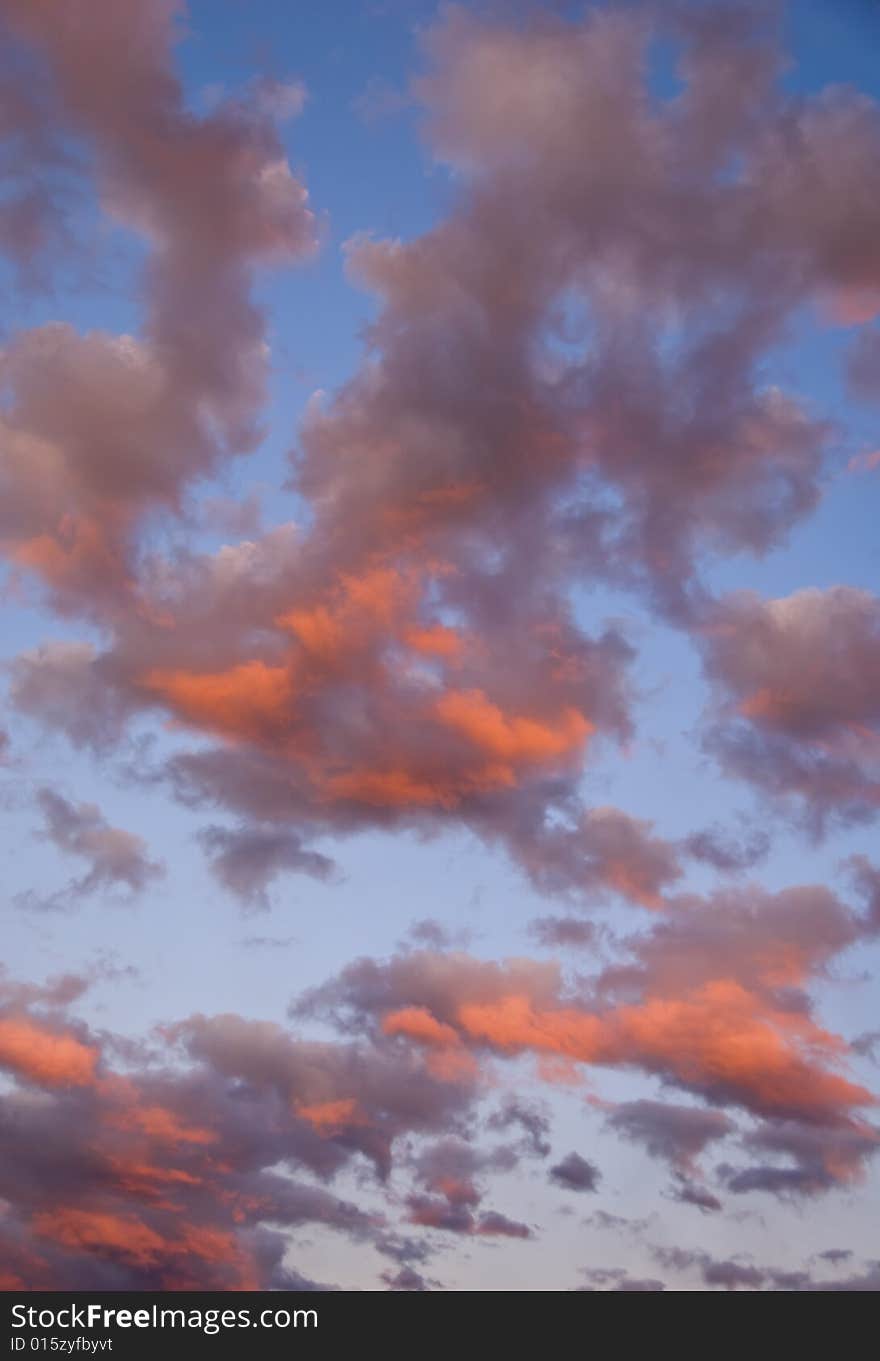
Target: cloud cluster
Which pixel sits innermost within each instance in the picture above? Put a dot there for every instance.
(713, 1000)
(734, 1273)
(567, 382)
(563, 383)
(100, 429)
(194, 1165)
(198, 1161)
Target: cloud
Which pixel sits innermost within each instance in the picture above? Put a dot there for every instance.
(676, 1134)
(867, 1043)
(192, 1165)
(691, 1194)
(99, 429)
(722, 851)
(817, 1158)
(732, 1275)
(245, 860)
(863, 371)
(69, 687)
(574, 1173)
(36, 232)
(712, 999)
(530, 1118)
(115, 858)
(617, 1279)
(866, 879)
(406, 1278)
(43, 1056)
(735, 1274)
(495, 1225)
(433, 934)
(570, 933)
(435, 1212)
(797, 684)
(725, 1273)
(607, 851)
(195, 1161)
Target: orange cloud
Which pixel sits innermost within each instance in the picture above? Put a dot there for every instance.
(78, 551)
(319, 631)
(377, 593)
(40, 1056)
(119, 1236)
(436, 641)
(330, 1117)
(251, 700)
(720, 1037)
(448, 1061)
(360, 607)
(776, 706)
(134, 1174)
(511, 738)
(163, 1125)
(390, 789)
(417, 1023)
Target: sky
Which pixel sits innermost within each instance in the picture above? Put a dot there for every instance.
(440, 733)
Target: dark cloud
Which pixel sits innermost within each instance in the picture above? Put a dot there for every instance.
(574, 1173)
(867, 1043)
(495, 1225)
(816, 1158)
(732, 1275)
(739, 1274)
(835, 1255)
(675, 1134)
(725, 1273)
(435, 1212)
(723, 852)
(433, 934)
(564, 932)
(406, 1278)
(691, 1194)
(617, 1278)
(530, 1119)
(246, 860)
